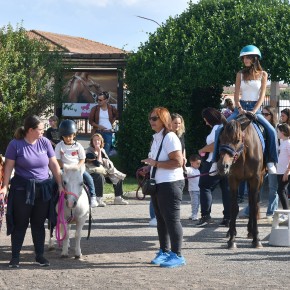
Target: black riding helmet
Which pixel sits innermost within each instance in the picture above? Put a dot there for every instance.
(67, 127)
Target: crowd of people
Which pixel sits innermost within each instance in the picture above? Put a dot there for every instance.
(37, 162)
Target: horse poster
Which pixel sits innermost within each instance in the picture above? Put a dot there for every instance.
(82, 89)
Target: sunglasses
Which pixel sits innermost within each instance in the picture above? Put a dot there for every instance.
(153, 118)
(266, 114)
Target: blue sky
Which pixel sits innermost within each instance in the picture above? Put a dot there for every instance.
(113, 22)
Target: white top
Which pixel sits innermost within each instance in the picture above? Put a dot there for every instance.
(193, 182)
(284, 156)
(104, 119)
(210, 139)
(170, 144)
(250, 89)
(70, 154)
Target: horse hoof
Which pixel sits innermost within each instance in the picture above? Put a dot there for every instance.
(64, 256)
(232, 245)
(50, 249)
(250, 236)
(78, 257)
(257, 245)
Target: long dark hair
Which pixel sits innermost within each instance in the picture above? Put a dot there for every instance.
(29, 122)
(272, 112)
(286, 111)
(252, 71)
(213, 116)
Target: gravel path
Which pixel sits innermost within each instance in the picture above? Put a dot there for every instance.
(121, 246)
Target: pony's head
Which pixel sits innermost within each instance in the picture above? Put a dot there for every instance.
(231, 146)
(73, 183)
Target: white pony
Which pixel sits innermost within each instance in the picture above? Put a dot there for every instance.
(74, 208)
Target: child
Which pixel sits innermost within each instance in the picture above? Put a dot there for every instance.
(193, 188)
(283, 165)
(52, 133)
(69, 151)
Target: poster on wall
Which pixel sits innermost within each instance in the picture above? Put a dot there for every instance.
(82, 89)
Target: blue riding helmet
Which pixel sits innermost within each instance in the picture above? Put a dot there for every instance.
(251, 50)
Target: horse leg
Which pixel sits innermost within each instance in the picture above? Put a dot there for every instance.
(234, 213)
(65, 244)
(256, 243)
(254, 213)
(79, 226)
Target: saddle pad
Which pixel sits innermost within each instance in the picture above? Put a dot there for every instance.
(260, 136)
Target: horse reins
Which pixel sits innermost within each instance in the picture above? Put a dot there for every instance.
(61, 221)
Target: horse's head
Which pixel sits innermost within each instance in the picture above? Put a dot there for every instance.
(231, 146)
(73, 183)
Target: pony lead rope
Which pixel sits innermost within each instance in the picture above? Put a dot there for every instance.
(60, 220)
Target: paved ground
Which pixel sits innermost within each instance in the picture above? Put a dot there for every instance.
(121, 246)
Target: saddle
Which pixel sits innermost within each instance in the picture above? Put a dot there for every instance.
(247, 118)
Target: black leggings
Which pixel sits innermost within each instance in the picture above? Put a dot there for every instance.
(166, 203)
(23, 214)
(282, 190)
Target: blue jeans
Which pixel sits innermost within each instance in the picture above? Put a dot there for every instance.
(273, 199)
(271, 151)
(108, 137)
(90, 183)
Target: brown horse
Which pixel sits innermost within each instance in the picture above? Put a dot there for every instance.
(82, 89)
(241, 158)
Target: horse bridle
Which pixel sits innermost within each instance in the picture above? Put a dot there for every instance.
(231, 151)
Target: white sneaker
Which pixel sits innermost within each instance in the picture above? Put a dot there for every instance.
(94, 202)
(271, 168)
(120, 201)
(153, 222)
(100, 202)
(213, 169)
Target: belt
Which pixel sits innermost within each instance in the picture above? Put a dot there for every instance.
(248, 101)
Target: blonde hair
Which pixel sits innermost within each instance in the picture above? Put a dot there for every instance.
(102, 140)
(181, 130)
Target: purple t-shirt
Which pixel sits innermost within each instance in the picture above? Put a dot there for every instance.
(31, 160)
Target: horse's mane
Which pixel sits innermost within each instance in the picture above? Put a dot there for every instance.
(232, 133)
(73, 167)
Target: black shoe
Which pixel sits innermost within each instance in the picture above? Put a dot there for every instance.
(14, 263)
(42, 261)
(203, 221)
(225, 222)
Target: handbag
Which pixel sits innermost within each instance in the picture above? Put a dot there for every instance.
(148, 183)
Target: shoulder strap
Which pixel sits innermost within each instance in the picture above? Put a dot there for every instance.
(154, 168)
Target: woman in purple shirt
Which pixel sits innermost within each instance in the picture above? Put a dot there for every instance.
(31, 156)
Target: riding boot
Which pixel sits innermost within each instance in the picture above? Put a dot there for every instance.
(17, 238)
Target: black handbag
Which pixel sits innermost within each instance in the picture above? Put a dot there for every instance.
(148, 183)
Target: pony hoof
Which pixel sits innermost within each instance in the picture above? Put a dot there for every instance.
(64, 256)
(250, 236)
(257, 245)
(50, 249)
(78, 257)
(232, 245)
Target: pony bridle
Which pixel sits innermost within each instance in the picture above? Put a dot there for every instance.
(66, 193)
(235, 153)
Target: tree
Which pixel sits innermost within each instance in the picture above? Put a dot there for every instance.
(30, 79)
(187, 61)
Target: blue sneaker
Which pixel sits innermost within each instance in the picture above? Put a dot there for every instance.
(160, 257)
(173, 261)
